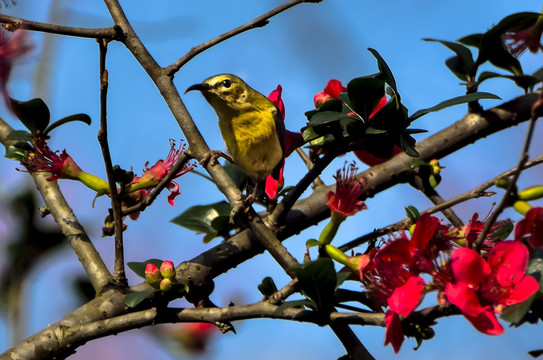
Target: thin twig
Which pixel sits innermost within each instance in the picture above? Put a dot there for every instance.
(524, 155)
(256, 23)
(118, 271)
(105, 33)
(307, 161)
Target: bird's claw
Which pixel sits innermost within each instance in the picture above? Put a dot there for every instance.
(212, 156)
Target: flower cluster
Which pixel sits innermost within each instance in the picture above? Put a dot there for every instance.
(61, 166)
(331, 91)
(530, 38)
(160, 278)
(400, 273)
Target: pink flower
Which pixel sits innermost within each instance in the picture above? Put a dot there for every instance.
(61, 166)
(531, 225)
(153, 176)
(293, 140)
(12, 47)
(152, 275)
(344, 200)
(167, 269)
(481, 288)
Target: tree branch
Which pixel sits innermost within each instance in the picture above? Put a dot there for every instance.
(256, 23)
(107, 33)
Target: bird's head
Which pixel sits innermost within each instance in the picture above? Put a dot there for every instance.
(225, 92)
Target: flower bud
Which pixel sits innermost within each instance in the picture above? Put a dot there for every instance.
(320, 99)
(166, 285)
(521, 207)
(152, 275)
(531, 193)
(167, 270)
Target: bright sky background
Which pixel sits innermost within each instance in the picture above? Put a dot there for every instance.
(300, 49)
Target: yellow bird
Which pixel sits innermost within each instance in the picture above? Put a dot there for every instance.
(251, 125)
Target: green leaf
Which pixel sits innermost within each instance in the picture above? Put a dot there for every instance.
(365, 93)
(15, 153)
(504, 230)
(434, 180)
(139, 267)
(34, 114)
(464, 55)
(454, 101)
(342, 276)
(19, 135)
(525, 82)
(317, 280)
(515, 313)
(535, 269)
(267, 287)
(471, 40)
(294, 304)
(326, 117)
(535, 353)
(407, 143)
(76, 117)
(387, 73)
(412, 213)
(239, 177)
(311, 243)
(390, 117)
(457, 67)
(200, 218)
(133, 299)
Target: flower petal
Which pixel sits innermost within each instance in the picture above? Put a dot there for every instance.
(405, 298)
(463, 297)
(486, 322)
(508, 260)
(468, 267)
(394, 333)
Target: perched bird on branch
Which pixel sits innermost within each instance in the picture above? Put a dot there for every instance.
(251, 126)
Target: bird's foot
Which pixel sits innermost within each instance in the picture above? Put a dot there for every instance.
(212, 156)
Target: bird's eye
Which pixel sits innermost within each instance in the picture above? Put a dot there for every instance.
(226, 83)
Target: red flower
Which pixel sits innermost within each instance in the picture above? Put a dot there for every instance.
(394, 333)
(12, 48)
(331, 91)
(293, 140)
(531, 225)
(153, 176)
(530, 38)
(480, 288)
(344, 200)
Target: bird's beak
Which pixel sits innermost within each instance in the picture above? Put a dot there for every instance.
(199, 87)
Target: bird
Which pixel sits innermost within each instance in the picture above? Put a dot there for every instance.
(251, 126)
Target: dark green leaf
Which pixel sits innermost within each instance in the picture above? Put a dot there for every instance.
(236, 174)
(365, 93)
(526, 82)
(139, 267)
(457, 68)
(535, 269)
(516, 22)
(515, 313)
(538, 74)
(309, 134)
(19, 135)
(332, 105)
(407, 143)
(317, 280)
(373, 131)
(504, 230)
(133, 299)
(387, 73)
(34, 114)
(535, 353)
(15, 153)
(390, 117)
(200, 218)
(471, 40)
(463, 53)
(412, 213)
(76, 117)
(342, 276)
(325, 118)
(267, 287)
(454, 101)
(294, 304)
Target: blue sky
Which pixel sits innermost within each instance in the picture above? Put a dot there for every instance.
(300, 49)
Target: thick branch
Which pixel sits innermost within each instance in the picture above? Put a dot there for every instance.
(69, 225)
